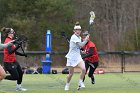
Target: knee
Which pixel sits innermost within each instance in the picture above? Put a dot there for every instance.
(84, 70)
(15, 77)
(90, 75)
(2, 76)
(70, 74)
(21, 74)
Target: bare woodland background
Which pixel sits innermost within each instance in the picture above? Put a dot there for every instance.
(116, 26)
(117, 22)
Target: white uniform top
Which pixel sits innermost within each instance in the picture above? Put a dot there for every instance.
(74, 48)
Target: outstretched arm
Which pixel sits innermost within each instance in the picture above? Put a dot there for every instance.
(81, 44)
(2, 46)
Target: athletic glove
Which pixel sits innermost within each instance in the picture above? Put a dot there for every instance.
(19, 44)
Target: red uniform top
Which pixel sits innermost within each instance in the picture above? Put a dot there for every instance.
(9, 57)
(93, 58)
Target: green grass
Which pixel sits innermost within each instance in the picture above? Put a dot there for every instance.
(54, 83)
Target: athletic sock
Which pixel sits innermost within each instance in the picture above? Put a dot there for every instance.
(18, 85)
(67, 84)
(92, 80)
(80, 80)
(84, 79)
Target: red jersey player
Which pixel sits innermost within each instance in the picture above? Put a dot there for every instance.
(90, 57)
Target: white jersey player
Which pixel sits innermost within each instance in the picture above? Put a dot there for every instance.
(74, 57)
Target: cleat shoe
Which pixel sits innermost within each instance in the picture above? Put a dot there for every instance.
(81, 85)
(92, 81)
(66, 87)
(20, 88)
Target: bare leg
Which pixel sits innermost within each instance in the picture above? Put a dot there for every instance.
(71, 71)
(2, 73)
(83, 70)
(69, 77)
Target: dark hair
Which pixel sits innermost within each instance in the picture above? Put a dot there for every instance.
(85, 33)
(6, 30)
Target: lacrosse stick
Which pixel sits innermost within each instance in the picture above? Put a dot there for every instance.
(21, 39)
(91, 20)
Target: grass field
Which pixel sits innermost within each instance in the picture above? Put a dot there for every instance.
(54, 83)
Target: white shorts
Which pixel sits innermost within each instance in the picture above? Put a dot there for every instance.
(73, 63)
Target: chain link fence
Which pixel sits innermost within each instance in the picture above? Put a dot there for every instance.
(122, 61)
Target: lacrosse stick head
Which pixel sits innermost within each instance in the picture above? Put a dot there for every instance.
(21, 38)
(92, 17)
